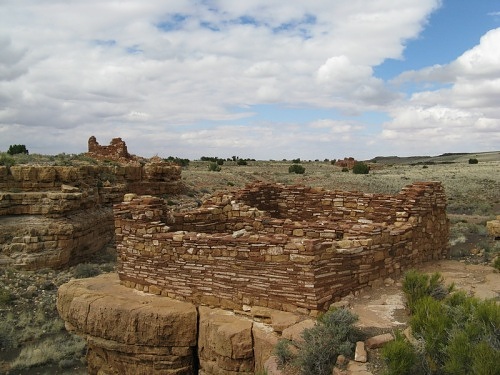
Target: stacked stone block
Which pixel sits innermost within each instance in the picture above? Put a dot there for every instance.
(241, 249)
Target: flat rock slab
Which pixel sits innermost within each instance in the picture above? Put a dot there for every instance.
(476, 279)
(103, 308)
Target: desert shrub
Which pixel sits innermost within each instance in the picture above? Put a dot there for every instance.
(242, 162)
(473, 161)
(179, 161)
(220, 161)
(6, 297)
(214, 167)
(400, 356)
(333, 334)
(345, 169)
(496, 263)
(296, 161)
(296, 168)
(17, 149)
(417, 285)
(49, 351)
(455, 330)
(283, 353)
(8, 338)
(360, 168)
(7, 160)
(84, 270)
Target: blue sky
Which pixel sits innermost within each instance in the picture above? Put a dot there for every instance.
(265, 79)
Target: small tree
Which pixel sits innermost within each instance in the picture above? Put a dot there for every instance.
(360, 168)
(17, 149)
(214, 167)
(296, 168)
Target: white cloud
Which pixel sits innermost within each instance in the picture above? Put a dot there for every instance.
(145, 70)
(465, 113)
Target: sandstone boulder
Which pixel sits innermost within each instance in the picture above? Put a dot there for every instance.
(294, 333)
(129, 332)
(264, 341)
(493, 227)
(225, 344)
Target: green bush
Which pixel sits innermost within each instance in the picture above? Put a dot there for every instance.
(6, 297)
(496, 263)
(179, 161)
(242, 162)
(400, 356)
(17, 149)
(360, 168)
(333, 334)
(84, 270)
(214, 167)
(417, 285)
(296, 168)
(345, 169)
(459, 333)
(473, 161)
(7, 160)
(296, 161)
(283, 353)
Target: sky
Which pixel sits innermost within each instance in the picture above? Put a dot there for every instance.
(260, 79)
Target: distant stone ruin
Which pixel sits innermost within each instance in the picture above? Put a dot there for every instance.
(346, 163)
(117, 150)
(289, 248)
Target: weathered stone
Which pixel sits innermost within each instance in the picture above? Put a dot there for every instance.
(493, 227)
(54, 242)
(360, 354)
(129, 332)
(294, 333)
(264, 341)
(271, 366)
(225, 344)
(378, 341)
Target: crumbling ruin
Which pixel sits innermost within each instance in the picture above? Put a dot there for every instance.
(117, 150)
(266, 253)
(294, 249)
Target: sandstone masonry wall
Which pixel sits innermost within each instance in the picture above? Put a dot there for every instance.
(295, 249)
(117, 149)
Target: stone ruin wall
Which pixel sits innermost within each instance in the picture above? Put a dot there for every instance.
(52, 216)
(293, 249)
(116, 150)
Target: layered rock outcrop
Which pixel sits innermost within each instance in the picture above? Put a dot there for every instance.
(493, 227)
(129, 333)
(52, 216)
(132, 332)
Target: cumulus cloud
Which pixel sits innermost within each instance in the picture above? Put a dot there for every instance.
(194, 70)
(465, 112)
